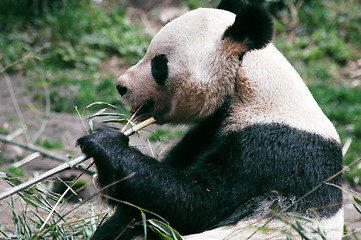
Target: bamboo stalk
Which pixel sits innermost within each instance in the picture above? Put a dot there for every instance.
(33, 148)
(42, 151)
(67, 165)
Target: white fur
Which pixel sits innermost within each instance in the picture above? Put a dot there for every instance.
(262, 229)
(272, 91)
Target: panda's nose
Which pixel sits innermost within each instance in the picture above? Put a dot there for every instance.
(122, 90)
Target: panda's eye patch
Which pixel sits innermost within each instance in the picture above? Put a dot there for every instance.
(160, 68)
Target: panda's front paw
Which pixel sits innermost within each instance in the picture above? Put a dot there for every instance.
(103, 143)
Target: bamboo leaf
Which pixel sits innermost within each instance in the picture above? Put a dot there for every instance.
(38, 216)
(91, 126)
(93, 224)
(99, 112)
(144, 220)
(176, 235)
(114, 120)
(344, 230)
(3, 233)
(106, 115)
(70, 188)
(357, 200)
(166, 229)
(160, 225)
(357, 208)
(160, 233)
(298, 216)
(100, 103)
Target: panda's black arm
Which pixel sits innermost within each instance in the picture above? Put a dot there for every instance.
(216, 187)
(191, 200)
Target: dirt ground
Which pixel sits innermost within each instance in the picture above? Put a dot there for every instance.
(67, 128)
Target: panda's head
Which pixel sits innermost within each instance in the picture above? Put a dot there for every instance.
(193, 62)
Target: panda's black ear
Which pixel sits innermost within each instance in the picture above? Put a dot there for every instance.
(231, 5)
(253, 24)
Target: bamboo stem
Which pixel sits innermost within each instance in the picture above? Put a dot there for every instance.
(139, 126)
(64, 166)
(33, 148)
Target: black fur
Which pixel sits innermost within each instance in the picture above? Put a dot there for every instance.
(212, 179)
(231, 5)
(253, 24)
(160, 68)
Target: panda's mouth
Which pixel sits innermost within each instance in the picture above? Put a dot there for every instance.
(142, 112)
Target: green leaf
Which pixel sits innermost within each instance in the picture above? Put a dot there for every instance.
(298, 216)
(114, 120)
(91, 126)
(100, 103)
(105, 115)
(166, 229)
(357, 200)
(93, 224)
(2, 232)
(160, 234)
(357, 208)
(144, 220)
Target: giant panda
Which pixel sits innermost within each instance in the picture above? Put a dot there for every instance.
(259, 146)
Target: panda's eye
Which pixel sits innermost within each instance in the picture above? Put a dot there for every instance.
(160, 68)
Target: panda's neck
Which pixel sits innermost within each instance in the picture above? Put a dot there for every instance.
(215, 122)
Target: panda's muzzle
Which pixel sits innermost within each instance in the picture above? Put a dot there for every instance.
(140, 111)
